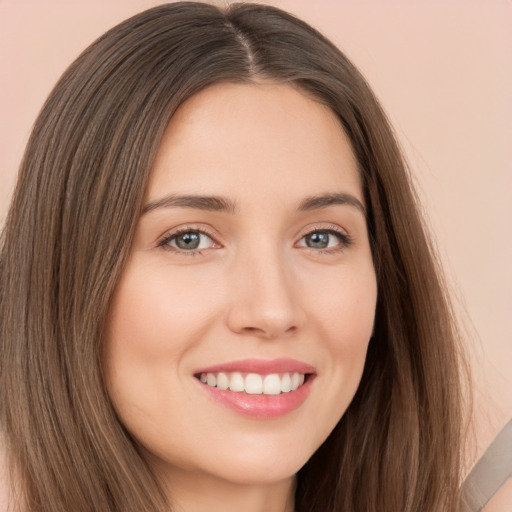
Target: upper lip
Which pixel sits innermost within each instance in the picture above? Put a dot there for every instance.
(261, 366)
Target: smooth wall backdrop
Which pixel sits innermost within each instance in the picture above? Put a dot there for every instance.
(443, 71)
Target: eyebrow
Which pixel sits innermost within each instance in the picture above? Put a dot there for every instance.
(326, 200)
(222, 204)
(198, 202)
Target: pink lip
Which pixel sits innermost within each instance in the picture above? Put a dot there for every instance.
(261, 366)
(261, 406)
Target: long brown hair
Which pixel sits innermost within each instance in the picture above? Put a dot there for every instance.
(70, 227)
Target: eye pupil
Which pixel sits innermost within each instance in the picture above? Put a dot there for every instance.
(188, 241)
(317, 240)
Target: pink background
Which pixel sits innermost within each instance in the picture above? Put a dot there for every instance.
(443, 71)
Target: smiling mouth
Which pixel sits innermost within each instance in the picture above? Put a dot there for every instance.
(254, 383)
(258, 388)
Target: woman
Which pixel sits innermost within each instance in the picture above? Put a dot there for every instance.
(216, 288)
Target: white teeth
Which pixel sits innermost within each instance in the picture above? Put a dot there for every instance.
(286, 383)
(222, 381)
(236, 382)
(254, 383)
(272, 384)
(211, 380)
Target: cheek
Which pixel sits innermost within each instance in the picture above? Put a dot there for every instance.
(345, 320)
(345, 309)
(153, 321)
(155, 315)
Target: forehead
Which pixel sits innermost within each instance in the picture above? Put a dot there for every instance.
(254, 137)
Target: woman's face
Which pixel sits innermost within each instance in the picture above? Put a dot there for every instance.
(250, 269)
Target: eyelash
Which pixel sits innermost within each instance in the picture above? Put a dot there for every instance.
(164, 243)
(344, 239)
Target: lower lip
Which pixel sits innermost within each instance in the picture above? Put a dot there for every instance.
(261, 406)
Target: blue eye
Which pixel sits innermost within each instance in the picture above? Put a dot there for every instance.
(324, 239)
(188, 240)
(318, 240)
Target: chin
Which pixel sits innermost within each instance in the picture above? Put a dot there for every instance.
(269, 472)
(260, 464)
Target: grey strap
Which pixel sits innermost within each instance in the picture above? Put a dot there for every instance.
(492, 470)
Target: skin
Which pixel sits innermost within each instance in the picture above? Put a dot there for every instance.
(255, 289)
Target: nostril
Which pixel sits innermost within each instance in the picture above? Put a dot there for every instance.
(270, 332)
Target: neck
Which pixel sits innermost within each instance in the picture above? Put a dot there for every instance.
(193, 492)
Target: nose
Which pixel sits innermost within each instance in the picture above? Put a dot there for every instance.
(263, 297)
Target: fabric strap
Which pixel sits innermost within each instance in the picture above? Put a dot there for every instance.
(491, 471)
